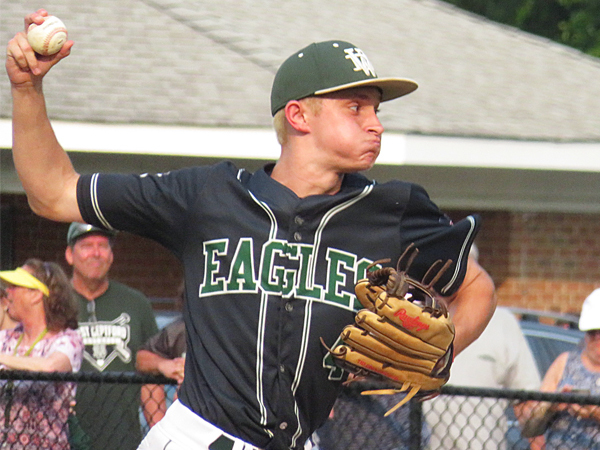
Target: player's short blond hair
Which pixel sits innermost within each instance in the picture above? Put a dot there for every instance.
(280, 122)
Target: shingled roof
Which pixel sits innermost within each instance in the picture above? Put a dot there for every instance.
(201, 63)
(501, 120)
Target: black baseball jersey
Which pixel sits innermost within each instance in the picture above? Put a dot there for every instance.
(267, 274)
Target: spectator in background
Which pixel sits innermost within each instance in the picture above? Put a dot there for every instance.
(499, 358)
(164, 354)
(574, 426)
(34, 413)
(114, 321)
(6, 322)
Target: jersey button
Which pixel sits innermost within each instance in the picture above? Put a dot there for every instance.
(289, 307)
(283, 425)
(282, 368)
(297, 236)
(298, 220)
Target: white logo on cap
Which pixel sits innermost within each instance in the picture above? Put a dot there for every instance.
(360, 60)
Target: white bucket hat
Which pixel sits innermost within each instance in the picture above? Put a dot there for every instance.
(590, 312)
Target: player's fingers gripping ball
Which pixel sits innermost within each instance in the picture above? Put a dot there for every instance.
(404, 336)
(48, 37)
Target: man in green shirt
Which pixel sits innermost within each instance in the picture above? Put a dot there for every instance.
(114, 321)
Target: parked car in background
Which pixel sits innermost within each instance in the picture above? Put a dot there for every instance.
(165, 317)
(548, 334)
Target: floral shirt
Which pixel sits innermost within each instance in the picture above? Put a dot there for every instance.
(37, 410)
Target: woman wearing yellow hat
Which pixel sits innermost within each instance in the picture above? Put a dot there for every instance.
(34, 413)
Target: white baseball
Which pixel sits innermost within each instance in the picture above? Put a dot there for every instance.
(49, 37)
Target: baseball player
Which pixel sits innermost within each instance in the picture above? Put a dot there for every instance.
(272, 274)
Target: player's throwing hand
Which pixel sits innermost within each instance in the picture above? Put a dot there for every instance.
(25, 68)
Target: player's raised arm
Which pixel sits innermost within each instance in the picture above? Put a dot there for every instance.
(44, 168)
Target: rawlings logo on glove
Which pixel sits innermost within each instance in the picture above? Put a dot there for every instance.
(410, 322)
(403, 336)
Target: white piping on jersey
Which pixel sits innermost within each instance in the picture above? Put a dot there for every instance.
(309, 303)
(307, 313)
(94, 199)
(260, 342)
(260, 346)
(471, 219)
(299, 430)
(312, 267)
(300, 365)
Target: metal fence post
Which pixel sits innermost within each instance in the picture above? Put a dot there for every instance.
(415, 418)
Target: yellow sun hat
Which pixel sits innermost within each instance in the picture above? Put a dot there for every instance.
(20, 277)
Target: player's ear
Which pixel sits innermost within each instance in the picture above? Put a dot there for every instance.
(69, 255)
(295, 113)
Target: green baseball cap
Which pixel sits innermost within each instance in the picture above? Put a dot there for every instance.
(330, 66)
(78, 230)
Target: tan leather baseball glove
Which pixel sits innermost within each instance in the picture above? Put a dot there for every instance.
(404, 336)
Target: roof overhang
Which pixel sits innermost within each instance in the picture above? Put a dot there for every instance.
(458, 172)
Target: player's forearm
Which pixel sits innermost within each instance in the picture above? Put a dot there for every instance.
(54, 363)
(148, 362)
(472, 307)
(44, 168)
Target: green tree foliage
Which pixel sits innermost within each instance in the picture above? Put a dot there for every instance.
(571, 22)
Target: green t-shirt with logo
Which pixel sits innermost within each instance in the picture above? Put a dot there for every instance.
(113, 328)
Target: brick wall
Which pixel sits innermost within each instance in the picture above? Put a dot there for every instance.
(546, 261)
(139, 262)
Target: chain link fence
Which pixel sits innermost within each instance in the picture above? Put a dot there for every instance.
(460, 418)
(33, 417)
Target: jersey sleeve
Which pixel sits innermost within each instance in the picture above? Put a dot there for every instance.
(437, 238)
(155, 206)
